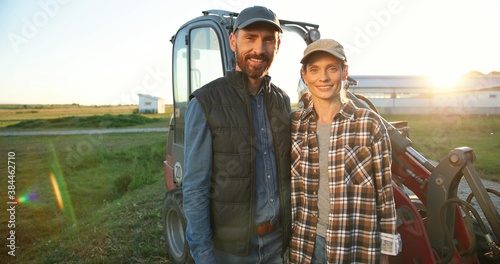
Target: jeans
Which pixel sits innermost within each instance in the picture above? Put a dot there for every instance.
(265, 249)
(319, 254)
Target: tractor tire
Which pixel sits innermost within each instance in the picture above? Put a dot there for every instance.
(174, 227)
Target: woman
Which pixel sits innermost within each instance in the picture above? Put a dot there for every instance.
(342, 199)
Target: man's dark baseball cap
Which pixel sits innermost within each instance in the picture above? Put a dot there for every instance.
(254, 14)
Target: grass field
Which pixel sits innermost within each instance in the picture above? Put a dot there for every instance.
(436, 136)
(13, 114)
(111, 188)
(111, 185)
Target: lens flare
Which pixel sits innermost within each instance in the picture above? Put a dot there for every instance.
(57, 191)
(60, 189)
(23, 199)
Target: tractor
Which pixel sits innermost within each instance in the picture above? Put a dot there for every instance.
(435, 225)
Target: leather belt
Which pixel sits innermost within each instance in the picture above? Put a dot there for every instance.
(264, 228)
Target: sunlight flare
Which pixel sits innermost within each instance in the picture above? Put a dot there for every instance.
(57, 191)
(60, 188)
(444, 82)
(25, 198)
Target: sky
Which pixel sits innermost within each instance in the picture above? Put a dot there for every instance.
(96, 52)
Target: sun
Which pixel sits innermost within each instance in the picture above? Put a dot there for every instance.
(444, 82)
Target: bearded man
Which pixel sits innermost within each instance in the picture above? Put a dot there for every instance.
(236, 184)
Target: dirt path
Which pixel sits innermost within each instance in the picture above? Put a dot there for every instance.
(83, 131)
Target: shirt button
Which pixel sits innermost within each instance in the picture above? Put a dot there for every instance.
(314, 193)
(269, 177)
(272, 200)
(265, 152)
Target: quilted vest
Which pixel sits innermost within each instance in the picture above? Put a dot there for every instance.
(226, 104)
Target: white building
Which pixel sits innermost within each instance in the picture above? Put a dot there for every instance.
(151, 104)
(473, 94)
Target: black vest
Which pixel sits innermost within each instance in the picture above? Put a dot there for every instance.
(226, 104)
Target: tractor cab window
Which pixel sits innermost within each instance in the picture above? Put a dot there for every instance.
(180, 84)
(206, 59)
(197, 61)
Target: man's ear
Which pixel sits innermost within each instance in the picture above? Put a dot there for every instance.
(232, 42)
(279, 43)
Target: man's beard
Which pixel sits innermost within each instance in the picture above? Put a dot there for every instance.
(251, 71)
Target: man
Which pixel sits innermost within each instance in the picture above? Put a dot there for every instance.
(343, 207)
(236, 185)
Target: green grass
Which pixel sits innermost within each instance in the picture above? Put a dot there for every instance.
(82, 122)
(127, 230)
(13, 114)
(435, 136)
(113, 211)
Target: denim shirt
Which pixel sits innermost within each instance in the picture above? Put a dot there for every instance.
(267, 201)
(198, 171)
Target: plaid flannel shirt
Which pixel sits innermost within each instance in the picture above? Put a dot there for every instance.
(361, 197)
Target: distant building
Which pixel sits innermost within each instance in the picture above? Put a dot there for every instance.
(151, 104)
(473, 94)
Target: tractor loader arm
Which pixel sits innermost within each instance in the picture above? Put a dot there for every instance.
(436, 186)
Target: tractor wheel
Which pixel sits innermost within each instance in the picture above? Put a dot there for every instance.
(482, 245)
(174, 227)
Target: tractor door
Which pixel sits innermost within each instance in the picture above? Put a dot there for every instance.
(201, 54)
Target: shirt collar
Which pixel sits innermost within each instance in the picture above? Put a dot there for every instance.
(261, 90)
(347, 111)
